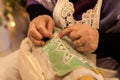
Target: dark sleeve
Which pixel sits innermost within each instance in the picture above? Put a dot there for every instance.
(109, 43)
(35, 10)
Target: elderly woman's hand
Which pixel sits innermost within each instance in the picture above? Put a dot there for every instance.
(40, 27)
(84, 37)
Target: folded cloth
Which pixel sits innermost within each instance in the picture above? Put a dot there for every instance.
(54, 61)
(83, 74)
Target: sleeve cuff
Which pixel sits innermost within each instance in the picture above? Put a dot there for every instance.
(36, 10)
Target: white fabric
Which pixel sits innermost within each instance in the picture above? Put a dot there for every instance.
(34, 59)
(29, 66)
(9, 67)
(76, 74)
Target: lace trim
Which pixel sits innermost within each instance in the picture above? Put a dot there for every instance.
(63, 58)
(63, 14)
(68, 55)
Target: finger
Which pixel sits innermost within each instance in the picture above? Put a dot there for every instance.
(74, 35)
(87, 48)
(80, 49)
(36, 42)
(37, 35)
(50, 26)
(65, 32)
(33, 32)
(42, 29)
(79, 42)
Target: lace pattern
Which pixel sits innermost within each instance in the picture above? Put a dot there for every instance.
(64, 58)
(63, 14)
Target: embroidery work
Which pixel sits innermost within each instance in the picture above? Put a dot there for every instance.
(62, 56)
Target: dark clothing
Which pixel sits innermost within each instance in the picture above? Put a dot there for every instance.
(36, 9)
(81, 6)
(109, 31)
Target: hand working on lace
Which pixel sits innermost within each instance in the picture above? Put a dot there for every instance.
(39, 28)
(84, 37)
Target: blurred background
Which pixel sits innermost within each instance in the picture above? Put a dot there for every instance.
(13, 25)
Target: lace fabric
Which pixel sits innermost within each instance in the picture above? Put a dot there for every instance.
(63, 14)
(63, 57)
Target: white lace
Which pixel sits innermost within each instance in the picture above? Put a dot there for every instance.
(63, 14)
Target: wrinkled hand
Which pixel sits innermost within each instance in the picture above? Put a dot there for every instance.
(39, 28)
(84, 37)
